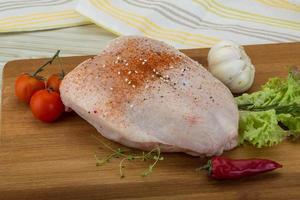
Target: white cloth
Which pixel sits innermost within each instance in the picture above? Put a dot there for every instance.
(31, 15)
(182, 23)
(198, 23)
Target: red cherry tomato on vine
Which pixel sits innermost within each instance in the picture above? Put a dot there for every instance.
(54, 81)
(26, 85)
(46, 105)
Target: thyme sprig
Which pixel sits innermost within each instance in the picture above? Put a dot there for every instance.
(154, 155)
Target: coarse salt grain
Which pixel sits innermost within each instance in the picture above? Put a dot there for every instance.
(119, 72)
(126, 79)
(129, 72)
(111, 88)
(126, 64)
(131, 105)
(135, 71)
(133, 86)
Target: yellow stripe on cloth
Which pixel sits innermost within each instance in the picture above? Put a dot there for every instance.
(221, 10)
(44, 27)
(41, 20)
(145, 29)
(284, 4)
(22, 18)
(151, 29)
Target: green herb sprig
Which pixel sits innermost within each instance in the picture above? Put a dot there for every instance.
(154, 154)
(293, 109)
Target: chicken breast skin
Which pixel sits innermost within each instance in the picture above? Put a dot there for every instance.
(142, 93)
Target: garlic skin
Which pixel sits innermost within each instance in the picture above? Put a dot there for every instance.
(229, 63)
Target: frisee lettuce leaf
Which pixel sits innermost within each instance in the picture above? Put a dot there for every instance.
(260, 128)
(275, 92)
(291, 122)
(270, 115)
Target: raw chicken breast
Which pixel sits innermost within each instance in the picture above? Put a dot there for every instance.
(142, 93)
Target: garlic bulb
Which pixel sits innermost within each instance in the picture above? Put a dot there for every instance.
(229, 62)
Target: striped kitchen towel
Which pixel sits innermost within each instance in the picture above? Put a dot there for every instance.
(182, 23)
(198, 23)
(29, 15)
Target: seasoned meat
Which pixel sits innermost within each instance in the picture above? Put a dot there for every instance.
(142, 93)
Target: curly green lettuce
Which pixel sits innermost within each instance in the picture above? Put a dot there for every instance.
(260, 128)
(291, 122)
(276, 92)
(270, 115)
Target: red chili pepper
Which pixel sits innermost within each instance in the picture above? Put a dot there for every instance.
(224, 168)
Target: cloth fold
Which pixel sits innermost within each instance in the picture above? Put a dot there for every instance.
(198, 23)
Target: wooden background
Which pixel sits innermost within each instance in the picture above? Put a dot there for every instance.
(56, 161)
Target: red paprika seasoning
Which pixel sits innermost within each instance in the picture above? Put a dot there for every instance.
(224, 168)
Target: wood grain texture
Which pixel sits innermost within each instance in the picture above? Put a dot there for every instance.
(56, 161)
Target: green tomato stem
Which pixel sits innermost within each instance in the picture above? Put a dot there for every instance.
(41, 68)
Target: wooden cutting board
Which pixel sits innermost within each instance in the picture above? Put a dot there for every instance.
(56, 161)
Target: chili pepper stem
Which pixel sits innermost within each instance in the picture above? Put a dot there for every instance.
(44, 65)
(206, 167)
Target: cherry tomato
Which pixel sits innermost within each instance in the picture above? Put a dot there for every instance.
(26, 85)
(54, 81)
(46, 105)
